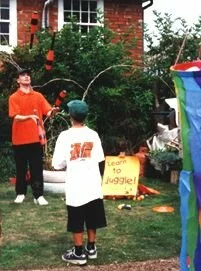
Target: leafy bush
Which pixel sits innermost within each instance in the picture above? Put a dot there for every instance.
(54, 126)
(7, 164)
(172, 42)
(98, 70)
(165, 160)
(4, 121)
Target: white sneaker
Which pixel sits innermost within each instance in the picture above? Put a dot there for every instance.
(41, 201)
(20, 198)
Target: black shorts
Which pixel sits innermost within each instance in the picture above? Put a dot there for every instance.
(91, 215)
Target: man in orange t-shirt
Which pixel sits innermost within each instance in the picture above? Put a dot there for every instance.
(26, 109)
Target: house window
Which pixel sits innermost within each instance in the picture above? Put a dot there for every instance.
(84, 11)
(8, 24)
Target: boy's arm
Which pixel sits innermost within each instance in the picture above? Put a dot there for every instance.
(59, 156)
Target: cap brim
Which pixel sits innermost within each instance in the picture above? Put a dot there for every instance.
(21, 71)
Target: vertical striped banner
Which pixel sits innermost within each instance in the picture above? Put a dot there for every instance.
(187, 81)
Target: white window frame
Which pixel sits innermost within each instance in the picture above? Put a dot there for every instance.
(100, 7)
(12, 27)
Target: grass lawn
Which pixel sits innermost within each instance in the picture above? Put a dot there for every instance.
(35, 236)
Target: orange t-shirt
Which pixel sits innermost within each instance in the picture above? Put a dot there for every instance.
(20, 103)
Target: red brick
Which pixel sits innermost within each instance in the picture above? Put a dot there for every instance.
(119, 15)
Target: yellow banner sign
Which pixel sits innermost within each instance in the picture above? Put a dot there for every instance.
(121, 176)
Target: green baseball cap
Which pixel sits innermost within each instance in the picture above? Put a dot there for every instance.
(78, 109)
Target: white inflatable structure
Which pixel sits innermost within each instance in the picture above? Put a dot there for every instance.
(54, 181)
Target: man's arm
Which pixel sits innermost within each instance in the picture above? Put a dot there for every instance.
(26, 117)
(52, 112)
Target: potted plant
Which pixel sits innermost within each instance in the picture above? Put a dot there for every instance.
(166, 161)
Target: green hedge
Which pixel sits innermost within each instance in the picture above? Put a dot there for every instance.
(7, 164)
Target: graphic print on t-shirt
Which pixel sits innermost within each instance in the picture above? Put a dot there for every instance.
(81, 150)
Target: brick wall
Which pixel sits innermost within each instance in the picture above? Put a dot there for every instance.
(24, 11)
(123, 16)
(120, 16)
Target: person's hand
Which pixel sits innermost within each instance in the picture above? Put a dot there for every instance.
(53, 112)
(34, 117)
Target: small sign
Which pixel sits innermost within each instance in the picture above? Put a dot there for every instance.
(121, 176)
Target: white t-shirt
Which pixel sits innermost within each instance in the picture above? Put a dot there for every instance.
(80, 151)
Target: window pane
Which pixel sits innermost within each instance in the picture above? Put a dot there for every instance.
(90, 27)
(5, 14)
(93, 17)
(76, 5)
(93, 5)
(67, 16)
(84, 6)
(4, 39)
(84, 18)
(76, 16)
(4, 28)
(83, 12)
(4, 3)
(84, 29)
(67, 5)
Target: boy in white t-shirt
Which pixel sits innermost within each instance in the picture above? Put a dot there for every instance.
(79, 149)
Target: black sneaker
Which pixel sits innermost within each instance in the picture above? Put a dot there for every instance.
(71, 257)
(91, 253)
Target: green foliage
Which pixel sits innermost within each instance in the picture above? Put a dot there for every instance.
(119, 96)
(4, 121)
(163, 49)
(7, 164)
(165, 160)
(54, 126)
(127, 109)
(33, 234)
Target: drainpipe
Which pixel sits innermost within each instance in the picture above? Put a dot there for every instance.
(145, 7)
(45, 16)
(148, 5)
